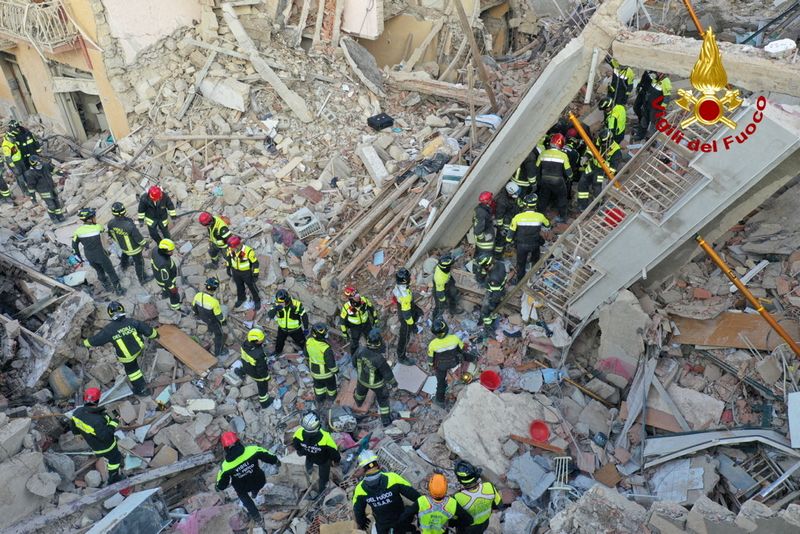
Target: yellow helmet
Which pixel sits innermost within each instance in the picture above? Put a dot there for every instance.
(437, 486)
(166, 244)
(256, 335)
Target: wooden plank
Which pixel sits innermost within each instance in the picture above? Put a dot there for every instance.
(420, 50)
(538, 444)
(345, 397)
(289, 167)
(292, 99)
(662, 392)
(655, 418)
(476, 54)
(407, 81)
(185, 349)
(729, 328)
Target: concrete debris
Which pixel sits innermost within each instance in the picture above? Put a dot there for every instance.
(93, 479)
(622, 325)
(226, 92)
(16, 501)
(600, 509)
(518, 518)
(12, 432)
(531, 476)
(43, 484)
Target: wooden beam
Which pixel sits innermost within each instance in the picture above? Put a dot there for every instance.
(538, 444)
(407, 81)
(420, 50)
(185, 349)
(204, 137)
(40, 521)
(301, 25)
(476, 53)
(292, 99)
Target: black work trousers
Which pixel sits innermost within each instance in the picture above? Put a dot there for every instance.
(403, 337)
(526, 251)
(401, 526)
(381, 397)
(247, 496)
(158, 231)
(173, 295)
(325, 388)
(135, 376)
(138, 264)
(355, 332)
(297, 336)
(448, 297)
(324, 472)
(215, 328)
(214, 252)
(54, 208)
(242, 279)
(105, 271)
(490, 301)
(441, 383)
(553, 191)
(5, 192)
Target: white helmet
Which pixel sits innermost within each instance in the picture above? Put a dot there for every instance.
(310, 422)
(512, 188)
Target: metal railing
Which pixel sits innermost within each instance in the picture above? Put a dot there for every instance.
(45, 25)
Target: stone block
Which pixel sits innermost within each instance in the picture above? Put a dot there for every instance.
(165, 456)
(622, 327)
(16, 501)
(373, 163)
(227, 92)
(11, 436)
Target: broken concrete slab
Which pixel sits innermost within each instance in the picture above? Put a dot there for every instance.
(532, 477)
(363, 64)
(11, 436)
(16, 501)
(494, 417)
(227, 92)
(143, 511)
(409, 378)
(700, 410)
(596, 417)
(601, 509)
(623, 324)
(182, 439)
(63, 465)
(43, 484)
(373, 163)
(518, 518)
(165, 456)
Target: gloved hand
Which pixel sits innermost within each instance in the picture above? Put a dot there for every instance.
(255, 277)
(392, 383)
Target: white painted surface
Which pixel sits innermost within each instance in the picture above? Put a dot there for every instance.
(794, 419)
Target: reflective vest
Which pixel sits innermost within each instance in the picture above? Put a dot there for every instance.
(244, 259)
(249, 452)
(11, 152)
(440, 279)
(404, 298)
(434, 515)
(478, 502)
(219, 232)
(617, 119)
(356, 315)
(289, 317)
(520, 179)
(665, 86)
(316, 358)
(207, 307)
(529, 224)
(554, 162)
(445, 350)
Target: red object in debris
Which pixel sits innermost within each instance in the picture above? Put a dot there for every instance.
(126, 491)
(613, 217)
(539, 430)
(727, 417)
(490, 380)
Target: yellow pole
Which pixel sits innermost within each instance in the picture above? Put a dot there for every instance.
(696, 21)
(725, 268)
(577, 124)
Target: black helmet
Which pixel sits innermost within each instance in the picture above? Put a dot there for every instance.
(440, 328)
(13, 124)
(282, 296)
(86, 213)
(445, 262)
(604, 137)
(319, 331)
(36, 161)
(485, 260)
(531, 200)
(466, 473)
(115, 309)
(118, 208)
(402, 277)
(212, 284)
(374, 338)
(606, 103)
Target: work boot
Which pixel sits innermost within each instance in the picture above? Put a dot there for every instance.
(257, 305)
(267, 403)
(115, 476)
(238, 304)
(405, 360)
(313, 494)
(386, 419)
(210, 264)
(240, 372)
(143, 281)
(440, 403)
(144, 392)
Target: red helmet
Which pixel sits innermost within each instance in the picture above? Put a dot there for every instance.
(350, 291)
(91, 395)
(205, 218)
(572, 133)
(234, 241)
(228, 438)
(155, 193)
(485, 198)
(557, 140)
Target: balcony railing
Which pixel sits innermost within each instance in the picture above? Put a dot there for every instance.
(45, 24)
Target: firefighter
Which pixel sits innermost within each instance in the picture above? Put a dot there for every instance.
(407, 312)
(483, 224)
(155, 209)
(437, 512)
(526, 231)
(476, 497)
(482, 267)
(383, 491)
(25, 140)
(97, 428)
(243, 268)
(616, 118)
(218, 234)
(206, 307)
(533, 172)
(241, 469)
(254, 365)
(655, 90)
(319, 449)
(322, 363)
(39, 179)
(166, 273)
(90, 235)
(14, 160)
(122, 230)
(555, 173)
(496, 279)
(373, 372)
(507, 206)
(5, 191)
(357, 317)
(445, 292)
(574, 150)
(445, 351)
(128, 336)
(522, 176)
(621, 81)
(291, 318)
(594, 177)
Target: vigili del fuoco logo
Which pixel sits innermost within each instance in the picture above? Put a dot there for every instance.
(713, 104)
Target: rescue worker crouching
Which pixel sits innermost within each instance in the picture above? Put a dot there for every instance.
(445, 292)
(97, 428)
(90, 235)
(241, 470)
(39, 179)
(321, 363)
(127, 335)
(383, 492)
(218, 234)
(255, 365)
(124, 232)
(436, 511)
(478, 498)
(373, 372)
(291, 318)
(357, 317)
(318, 448)
(155, 210)
(445, 351)
(166, 272)
(207, 308)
